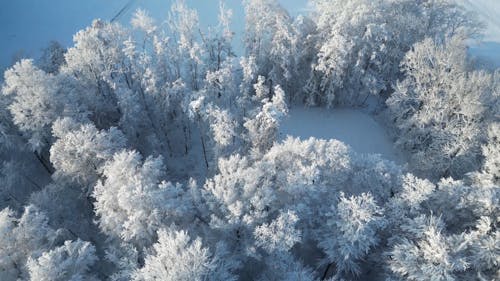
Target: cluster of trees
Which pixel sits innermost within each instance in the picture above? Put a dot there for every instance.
(442, 108)
(151, 152)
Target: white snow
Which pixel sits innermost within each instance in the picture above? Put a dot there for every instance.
(353, 127)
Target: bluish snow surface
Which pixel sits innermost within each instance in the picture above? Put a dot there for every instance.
(486, 54)
(27, 26)
(353, 127)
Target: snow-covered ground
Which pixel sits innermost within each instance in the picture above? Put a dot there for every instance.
(353, 127)
(486, 54)
(27, 26)
(488, 12)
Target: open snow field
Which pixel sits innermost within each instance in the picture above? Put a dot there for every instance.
(353, 127)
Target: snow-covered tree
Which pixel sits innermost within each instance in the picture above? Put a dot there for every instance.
(177, 257)
(183, 24)
(351, 231)
(133, 200)
(300, 60)
(278, 44)
(221, 85)
(70, 261)
(483, 249)
(444, 231)
(218, 130)
(277, 239)
(52, 57)
(22, 238)
(217, 41)
(264, 19)
(125, 258)
(361, 44)
(80, 151)
(171, 69)
(491, 152)
(8, 129)
(428, 254)
(279, 235)
(263, 127)
(437, 109)
(285, 267)
(36, 103)
(408, 200)
(254, 202)
(18, 181)
(67, 209)
(91, 65)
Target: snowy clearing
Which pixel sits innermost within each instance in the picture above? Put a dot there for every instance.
(353, 127)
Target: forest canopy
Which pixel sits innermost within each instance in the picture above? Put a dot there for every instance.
(150, 151)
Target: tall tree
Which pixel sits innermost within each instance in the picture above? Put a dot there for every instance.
(437, 108)
(133, 200)
(360, 44)
(177, 257)
(70, 261)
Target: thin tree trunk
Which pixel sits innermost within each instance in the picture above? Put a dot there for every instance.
(47, 167)
(204, 149)
(33, 182)
(153, 124)
(186, 147)
(202, 142)
(326, 271)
